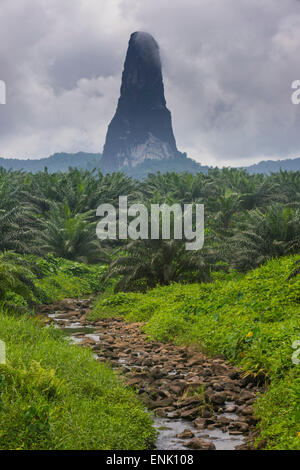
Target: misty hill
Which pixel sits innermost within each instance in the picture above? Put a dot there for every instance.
(60, 162)
(55, 163)
(272, 166)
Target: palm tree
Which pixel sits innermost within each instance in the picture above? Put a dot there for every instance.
(288, 184)
(15, 278)
(223, 208)
(71, 237)
(146, 263)
(266, 235)
(17, 222)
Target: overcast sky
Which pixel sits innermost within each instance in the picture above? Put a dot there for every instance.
(228, 66)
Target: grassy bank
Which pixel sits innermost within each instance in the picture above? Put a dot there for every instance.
(252, 319)
(54, 395)
(58, 278)
(29, 280)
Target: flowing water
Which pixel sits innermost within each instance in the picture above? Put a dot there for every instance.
(167, 427)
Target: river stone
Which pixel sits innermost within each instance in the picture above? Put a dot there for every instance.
(217, 398)
(189, 413)
(200, 444)
(186, 434)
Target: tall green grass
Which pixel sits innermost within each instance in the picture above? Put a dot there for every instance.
(54, 395)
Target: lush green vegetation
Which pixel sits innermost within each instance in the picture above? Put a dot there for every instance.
(29, 280)
(251, 318)
(54, 395)
(248, 218)
(58, 278)
(245, 303)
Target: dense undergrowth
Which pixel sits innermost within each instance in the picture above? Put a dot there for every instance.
(58, 278)
(36, 280)
(54, 395)
(252, 319)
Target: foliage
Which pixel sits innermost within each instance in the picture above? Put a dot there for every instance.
(56, 396)
(27, 280)
(252, 319)
(57, 278)
(256, 214)
(15, 280)
(49, 250)
(273, 233)
(147, 263)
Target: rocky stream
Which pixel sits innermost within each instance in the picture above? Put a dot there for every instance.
(198, 402)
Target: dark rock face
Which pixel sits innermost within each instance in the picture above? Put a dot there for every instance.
(142, 127)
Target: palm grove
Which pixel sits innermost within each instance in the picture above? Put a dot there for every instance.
(248, 220)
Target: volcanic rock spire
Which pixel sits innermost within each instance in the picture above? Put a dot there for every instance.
(141, 127)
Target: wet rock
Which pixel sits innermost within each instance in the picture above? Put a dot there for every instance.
(188, 401)
(189, 413)
(251, 420)
(174, 415)
(194, 361)
(200, 423)
(218, 387)
(200, 444)
(207, 373)
(246, 410)
(87, 342)
(132, 382)
(230, 408)
(147, 362)
(217, 398)
(156, 372)
(175, 389)
(161, 412)
(186, 434)
(206, 412)
(211, 427)
(138, 375)
(238, 426)
(219, 359)
(222, 421)
(196, 385)
(161, 403)
(244, 397)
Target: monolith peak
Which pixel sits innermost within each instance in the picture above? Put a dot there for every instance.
(141, 128)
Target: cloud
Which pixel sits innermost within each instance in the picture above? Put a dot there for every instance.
(228, 70)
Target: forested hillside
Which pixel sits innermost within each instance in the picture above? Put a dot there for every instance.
(61, 162)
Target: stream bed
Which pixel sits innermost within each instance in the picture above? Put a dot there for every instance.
(128, 355)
